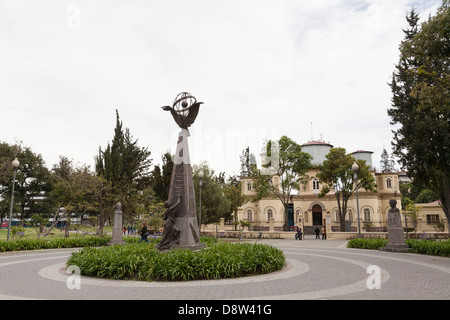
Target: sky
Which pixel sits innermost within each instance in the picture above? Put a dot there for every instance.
(309, 70)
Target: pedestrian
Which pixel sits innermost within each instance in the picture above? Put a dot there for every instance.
(299, 233)
(323, 233)
(124, 230)
(144, 233)
(316, 230)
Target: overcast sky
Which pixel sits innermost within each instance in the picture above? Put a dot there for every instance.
(262, 68)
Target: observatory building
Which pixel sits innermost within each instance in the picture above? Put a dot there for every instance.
(308, 211)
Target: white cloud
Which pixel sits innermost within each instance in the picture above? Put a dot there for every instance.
(263, 69)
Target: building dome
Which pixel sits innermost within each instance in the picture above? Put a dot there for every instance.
(318, 150)
(364, 155)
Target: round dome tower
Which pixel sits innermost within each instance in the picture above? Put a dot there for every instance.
(364, 155)
(318, 150)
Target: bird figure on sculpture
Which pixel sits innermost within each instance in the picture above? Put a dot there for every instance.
(184, 110)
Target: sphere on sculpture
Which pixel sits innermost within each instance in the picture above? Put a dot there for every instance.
(184, 109)
(182, 102)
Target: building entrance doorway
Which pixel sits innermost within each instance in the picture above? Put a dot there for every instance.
(317, 215)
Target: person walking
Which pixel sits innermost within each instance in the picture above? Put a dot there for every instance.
(299, 233)
(323, 233)
(144, 233)
(317, 231)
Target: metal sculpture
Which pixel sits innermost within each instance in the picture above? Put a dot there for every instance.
(181, 214)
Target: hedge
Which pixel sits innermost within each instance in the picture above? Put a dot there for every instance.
(429, 247)
(34, 244)
(94, 241)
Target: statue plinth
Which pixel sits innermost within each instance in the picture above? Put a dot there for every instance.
(117, 226)
(182, 199)
(396, 239)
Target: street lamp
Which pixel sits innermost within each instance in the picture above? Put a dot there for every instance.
(404, 209)
(355, 168)
(15, 164)
(200, 176)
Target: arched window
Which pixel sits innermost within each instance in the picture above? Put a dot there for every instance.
(249, 186)
(249, 215)
(366, 214)
(316, 186)
(336, 215)
(269, 214)
(276, 181)
(388, 182)
(350, 214)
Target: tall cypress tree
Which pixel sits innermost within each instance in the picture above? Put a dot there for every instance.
(124, 164)
(161, 177)
(420, 104)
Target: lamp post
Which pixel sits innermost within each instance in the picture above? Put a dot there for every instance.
(406, 217)
(200, 176)
(15, 164)
(355, 168)
(403, 208)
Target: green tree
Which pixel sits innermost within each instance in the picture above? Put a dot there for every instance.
(426, 196)
(39, 223)
(76, 191)
(248, 163)
(286, 160)
(125, 166)
(232, 190)
(161, 177)
(387, 163)
(336, 175)
(420, 104)
(214, 204)
(33, 180)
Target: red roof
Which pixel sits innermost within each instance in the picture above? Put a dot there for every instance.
(314, 142)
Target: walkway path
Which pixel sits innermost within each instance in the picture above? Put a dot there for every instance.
(317, 269)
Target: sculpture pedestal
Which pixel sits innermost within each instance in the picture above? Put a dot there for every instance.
(182, 189)
(399, 248)
(117, 226)
(189, 234)
(396, 239)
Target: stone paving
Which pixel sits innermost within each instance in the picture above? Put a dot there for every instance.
(316, 269)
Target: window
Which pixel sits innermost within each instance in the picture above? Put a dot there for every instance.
(336, 215)
(250, 215)
(276, 181)
(366, 214)
(269, 214)
(432, 218)
(316, 186)
(388, 182)
(249, 186)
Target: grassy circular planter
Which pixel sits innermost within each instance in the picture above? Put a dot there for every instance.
(134, 261)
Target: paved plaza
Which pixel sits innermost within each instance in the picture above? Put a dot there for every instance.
(316, 269)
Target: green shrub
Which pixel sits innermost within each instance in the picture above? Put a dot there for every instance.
(436, 248)
(372, 244)
(94, 241)
(34, 244)
(430, 247)
(142, 262)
